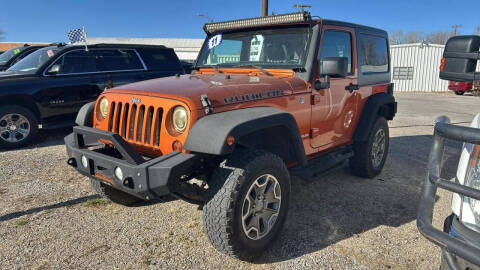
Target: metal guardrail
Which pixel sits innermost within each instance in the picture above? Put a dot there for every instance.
(451, 246)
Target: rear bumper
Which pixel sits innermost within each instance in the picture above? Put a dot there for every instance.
(144, 179)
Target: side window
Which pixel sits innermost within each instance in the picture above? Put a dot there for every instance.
(373, 54)
(159, 59)
(337, 44)
(77, 62)
(117, 59)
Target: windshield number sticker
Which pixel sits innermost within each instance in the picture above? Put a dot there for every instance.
(16, 51)
(50, 53)
(214, 41)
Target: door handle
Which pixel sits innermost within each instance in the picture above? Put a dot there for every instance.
(351, 87)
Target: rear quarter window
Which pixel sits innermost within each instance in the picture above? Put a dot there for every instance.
(373, 54)
(117, 60)
(163, 59)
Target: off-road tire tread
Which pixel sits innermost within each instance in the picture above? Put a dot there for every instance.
(223, 192)
(359, 163)
(113, 194)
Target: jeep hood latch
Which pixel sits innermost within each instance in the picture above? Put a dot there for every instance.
(207, 105)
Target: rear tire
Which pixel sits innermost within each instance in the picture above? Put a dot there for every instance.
(247, 203)
(459, 93)
(18, 127)
(114, 195)
(370, 155)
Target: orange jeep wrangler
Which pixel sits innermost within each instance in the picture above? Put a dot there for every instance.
(271, 97)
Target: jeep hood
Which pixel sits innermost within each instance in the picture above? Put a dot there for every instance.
(221, 89)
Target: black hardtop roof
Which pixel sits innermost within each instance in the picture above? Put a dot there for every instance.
(354, 25)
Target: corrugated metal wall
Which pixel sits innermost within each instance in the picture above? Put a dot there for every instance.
(425, 59)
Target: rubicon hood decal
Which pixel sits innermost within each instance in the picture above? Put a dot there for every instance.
(253, 96)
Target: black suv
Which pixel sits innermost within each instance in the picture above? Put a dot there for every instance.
(47, 88)
(10, 57)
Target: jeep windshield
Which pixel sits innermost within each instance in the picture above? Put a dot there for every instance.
(269, 48)
(6, 56)
(34, 61)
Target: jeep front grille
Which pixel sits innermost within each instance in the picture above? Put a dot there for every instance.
(139, 124)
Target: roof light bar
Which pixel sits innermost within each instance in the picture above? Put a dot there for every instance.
(260, 21)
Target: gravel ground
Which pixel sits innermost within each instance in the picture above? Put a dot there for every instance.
(51, 219)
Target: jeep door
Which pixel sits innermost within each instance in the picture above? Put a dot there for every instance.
(69, 82)
(334, 109)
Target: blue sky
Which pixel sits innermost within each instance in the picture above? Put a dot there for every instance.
(49, 20)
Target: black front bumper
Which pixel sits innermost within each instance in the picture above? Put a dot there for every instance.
(452, 246)
(146, 179)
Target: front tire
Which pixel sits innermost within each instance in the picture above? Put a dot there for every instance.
(370, 156)
(459, 93)
(18, 127)
(247, 203)
(114, 195)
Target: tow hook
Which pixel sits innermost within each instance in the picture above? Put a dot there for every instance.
(72, 162)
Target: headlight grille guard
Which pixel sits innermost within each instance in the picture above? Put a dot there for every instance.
(451, 246)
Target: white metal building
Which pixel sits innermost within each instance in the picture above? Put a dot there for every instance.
(416, 66)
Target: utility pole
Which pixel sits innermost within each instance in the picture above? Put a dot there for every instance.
(264, 8)
(455, 27)
(302, 7)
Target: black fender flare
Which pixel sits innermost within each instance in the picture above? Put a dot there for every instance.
(379, 104)
(85, 115)
(209, 134)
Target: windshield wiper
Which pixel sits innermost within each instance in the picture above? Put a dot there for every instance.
(299, 69)
(257, 67)
(216, 67)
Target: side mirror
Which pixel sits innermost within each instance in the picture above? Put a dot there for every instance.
(331, 67)
(54, 69)
(460, 58)
(334, 66)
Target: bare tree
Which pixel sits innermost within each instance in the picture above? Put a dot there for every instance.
(440, 37)
(396, 37)
(414, 37)
(2, 35)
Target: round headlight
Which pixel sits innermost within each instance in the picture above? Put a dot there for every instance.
(103, 107)
(180, 119)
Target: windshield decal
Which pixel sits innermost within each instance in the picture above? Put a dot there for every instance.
(214, 41)
(16, 51)
(256, 48)
(50, 53)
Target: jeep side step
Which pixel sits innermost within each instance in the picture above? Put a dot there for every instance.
(322, 165)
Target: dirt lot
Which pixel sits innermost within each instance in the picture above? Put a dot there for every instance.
(51, 219)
